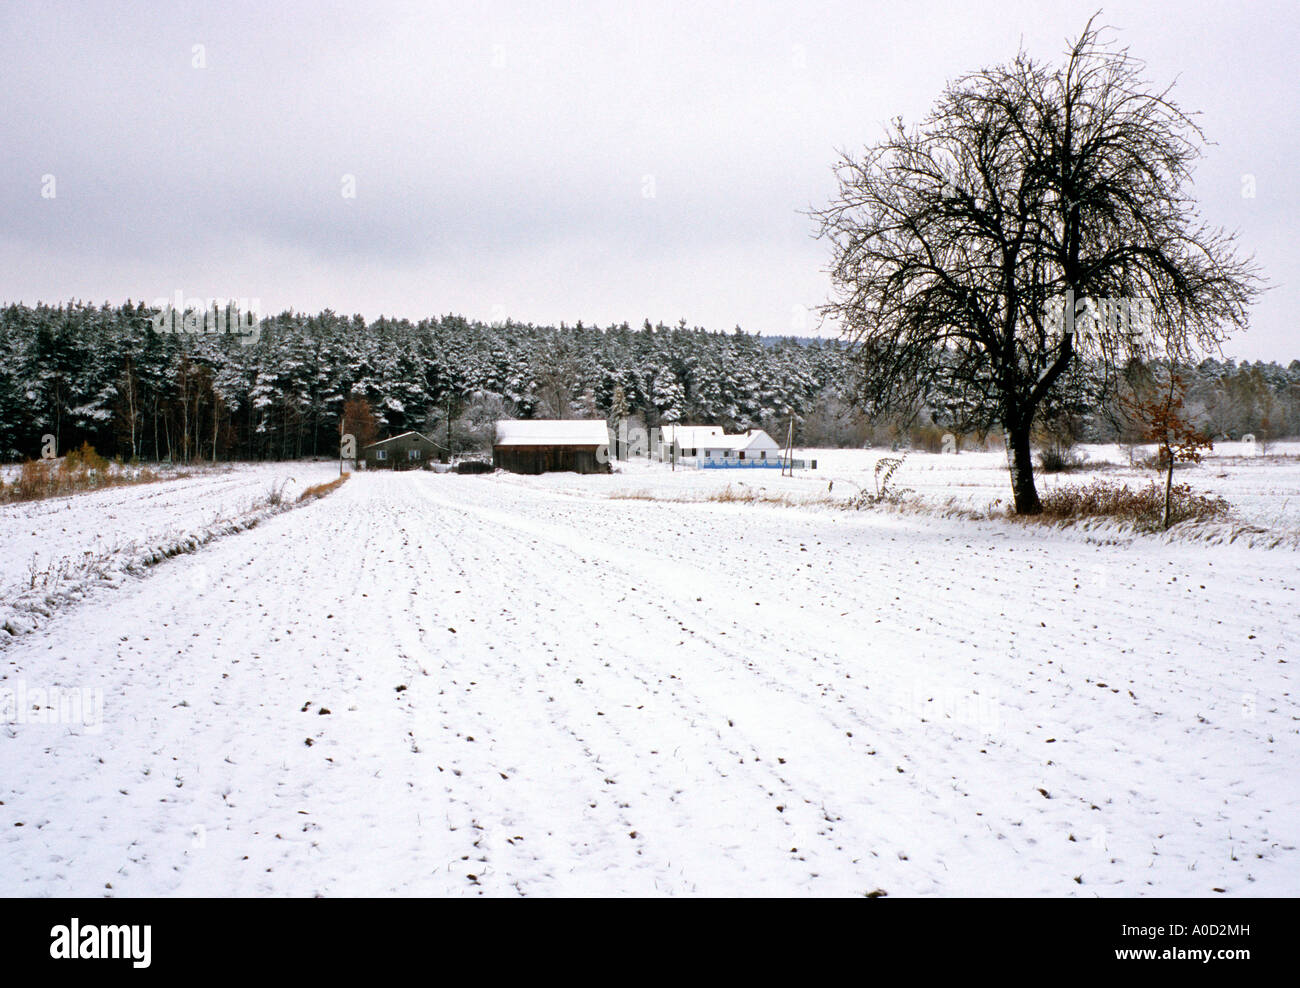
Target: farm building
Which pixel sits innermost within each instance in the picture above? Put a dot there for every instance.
(408, 451)
(690, 440)
(709, 442)
(546, 445)
(753, 444)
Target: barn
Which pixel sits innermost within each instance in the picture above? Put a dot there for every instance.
(408, 451)
(547, 445)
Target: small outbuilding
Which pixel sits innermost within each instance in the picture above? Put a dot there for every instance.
(408, 451)
(547, 445)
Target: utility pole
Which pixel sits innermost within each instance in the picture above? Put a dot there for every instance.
(789, 446)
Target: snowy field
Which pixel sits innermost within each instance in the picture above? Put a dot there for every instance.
(433, 684)
(61, 547)
(1264, 490)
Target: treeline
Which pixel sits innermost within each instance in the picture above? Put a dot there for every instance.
(1221, 398)
(104, 376)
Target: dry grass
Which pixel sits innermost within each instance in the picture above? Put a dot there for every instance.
(1143, 507)
(639, 496)
(754, 495)
(79, 471)
(320, 490)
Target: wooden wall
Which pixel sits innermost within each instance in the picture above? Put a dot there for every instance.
(397, 458)
(548, 459)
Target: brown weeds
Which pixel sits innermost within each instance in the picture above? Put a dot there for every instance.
(320, 490)
(1144, 507)
(79, 471)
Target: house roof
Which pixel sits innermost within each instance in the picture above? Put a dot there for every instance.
(552, 432)
(753, 439)
(691, 436)
(756, 439)
(403, 435)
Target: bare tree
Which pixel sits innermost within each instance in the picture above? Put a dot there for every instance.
(359, 421)
(955, 243)
(476, 429)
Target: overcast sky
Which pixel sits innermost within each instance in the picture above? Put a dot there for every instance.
(602, 162)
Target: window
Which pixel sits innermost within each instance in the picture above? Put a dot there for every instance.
(412, 454)
(381, 454)
(763, 455)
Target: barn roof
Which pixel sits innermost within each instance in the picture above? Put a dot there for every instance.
(552, 432)
(403, 435)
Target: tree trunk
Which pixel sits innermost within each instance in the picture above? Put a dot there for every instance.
(1169, 482)
(1020, 462)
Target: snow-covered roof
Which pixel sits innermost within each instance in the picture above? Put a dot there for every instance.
(755, 439)
(691, 436)
(552, 432)
(403, 435)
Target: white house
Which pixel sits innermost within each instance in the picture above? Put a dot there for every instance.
(709, 442)
(753, 444)
(691, 439)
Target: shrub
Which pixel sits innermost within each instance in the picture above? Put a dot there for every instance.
(928, 438)
(80, 470)
(1143, 507)
(883, 475)
(1158, 461)
(1060, 459)
(35, 480)
(84, 464)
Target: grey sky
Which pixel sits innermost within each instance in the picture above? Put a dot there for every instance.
(603, 162)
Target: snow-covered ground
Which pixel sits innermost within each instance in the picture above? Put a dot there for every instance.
(430, 684)
(1264, 490)
(58, 548)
